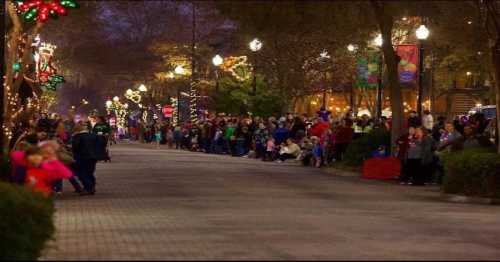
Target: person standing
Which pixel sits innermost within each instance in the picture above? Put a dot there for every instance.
(102, 129)
(84, 146)
(414, 120)
(428, 120)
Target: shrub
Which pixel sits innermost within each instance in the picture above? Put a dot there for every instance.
(363, 147)
(26, 223)
(472, 172)
(4, 168)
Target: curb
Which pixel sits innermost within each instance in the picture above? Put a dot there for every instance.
(469, 200)
(340, 172)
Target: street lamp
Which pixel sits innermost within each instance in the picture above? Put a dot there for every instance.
(255, 46)
(129, 92)
(143, 88)
(378, 41)
(217, 61)
(179, 70)
(109, 103)
(422, 33)
(324, 56)
(352, 49)
(116, 99)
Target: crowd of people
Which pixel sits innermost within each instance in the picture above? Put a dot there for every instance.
(50, 149)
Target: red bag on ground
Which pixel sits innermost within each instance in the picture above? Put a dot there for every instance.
(381, 168)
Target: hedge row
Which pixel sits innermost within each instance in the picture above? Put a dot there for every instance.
(26, 223)
(472, 172)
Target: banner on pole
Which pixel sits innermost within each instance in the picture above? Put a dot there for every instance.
(368, 70)
(408, 66)
(168, 110)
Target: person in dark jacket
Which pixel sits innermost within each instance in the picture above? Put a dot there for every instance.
(84, 148)
(103, 131)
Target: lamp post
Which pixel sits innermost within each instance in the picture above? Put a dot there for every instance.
(255, 46)
(324, 57)
(179, 70)
(422, 33)
(217, 60)
(352, 49)
(378, 41)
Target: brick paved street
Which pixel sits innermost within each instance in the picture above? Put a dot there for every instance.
(166, 204)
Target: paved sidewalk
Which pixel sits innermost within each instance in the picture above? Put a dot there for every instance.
(167, 204)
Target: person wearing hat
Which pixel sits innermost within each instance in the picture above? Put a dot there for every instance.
(84, 148)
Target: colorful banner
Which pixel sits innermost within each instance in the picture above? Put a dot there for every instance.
(368, 70)
(408, 66)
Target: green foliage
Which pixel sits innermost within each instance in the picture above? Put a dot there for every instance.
(472, 172)
(363, 147)
(235, 97)
(26, 223)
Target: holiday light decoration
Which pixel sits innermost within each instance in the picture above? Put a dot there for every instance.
(41, 10)
(237, 66)
(133, 95)
(119, 109)
(46, 73)
(175, 105)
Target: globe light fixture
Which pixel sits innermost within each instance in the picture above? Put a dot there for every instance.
(255, 45)
(143, 88)
(378, 41)
(422, 32)
(179, 70)
(217, 60)
(351, 48)
(116, 99)
(109, 103)
(129, 92)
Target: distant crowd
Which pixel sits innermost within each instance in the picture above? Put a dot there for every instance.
(47, 150)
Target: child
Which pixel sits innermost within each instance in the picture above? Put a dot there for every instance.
(317, 151)
(158, 137)
(269, 149)
(37, 178)
(55, 167)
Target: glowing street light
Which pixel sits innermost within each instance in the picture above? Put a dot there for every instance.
(143, 88)
(351, 48)
(109, 103)
(378, 41)
(116, 99)
(129, 92)
(217, 60)
(422, 32)
(255, 45)
(468, 73)
(179, 70)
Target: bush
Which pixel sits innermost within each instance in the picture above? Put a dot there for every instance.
(472, 172)
(26, 223)
(4, 168)
(363, 147)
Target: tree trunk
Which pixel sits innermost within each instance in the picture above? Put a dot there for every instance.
(386, 22)
(496, 62)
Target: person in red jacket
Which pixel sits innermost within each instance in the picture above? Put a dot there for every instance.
(343, 137)
(41, 175)
(318, 127)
